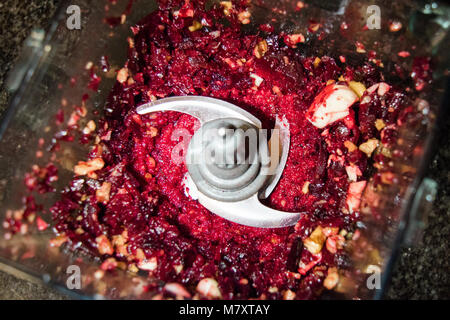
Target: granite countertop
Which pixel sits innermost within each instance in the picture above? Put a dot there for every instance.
(423, 272)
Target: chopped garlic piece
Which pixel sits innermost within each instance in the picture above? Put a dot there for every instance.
(209, 288)
(258, 79)
(330, 105)
(102, 194)
(332, 278)
(261, 49)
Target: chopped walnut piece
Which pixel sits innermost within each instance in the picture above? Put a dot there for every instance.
(132, 268)
(109, 264)
(358, 87)
(151, 162)
(261, 49)
(102, 194)
(17, 214)
(369, 146)
(330, 231)
(354, 193)
(335, 243)
(73, 119)
(316, 62)
(293, 39)
(231, 63)
(315, 241)
(122, 75)
(244, 17)
(140, 255)
(300, 5)
(305, 188)
(276, 90)
(125, 235)
(195, 26)
(332, 278)
(380, 124)
(289, 295)
(92, 175)
(84, 168)
(209, 288)
(178, 268)
(350, 146)
(353, 172)
(104, 245)
(313, 27)
(386, 152)
(381, 88)
(122, 250)
(365, 100)
(90, 127)
(273, 290)
(152, 131)
(227, 6)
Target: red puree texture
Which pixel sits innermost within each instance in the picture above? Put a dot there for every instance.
(145, 218)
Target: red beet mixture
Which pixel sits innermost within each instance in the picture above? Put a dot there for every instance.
(128, 200)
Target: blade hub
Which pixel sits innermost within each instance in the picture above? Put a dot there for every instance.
(228, 159)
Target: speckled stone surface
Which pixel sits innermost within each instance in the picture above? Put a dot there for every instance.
(17, 18)
(421, 273)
